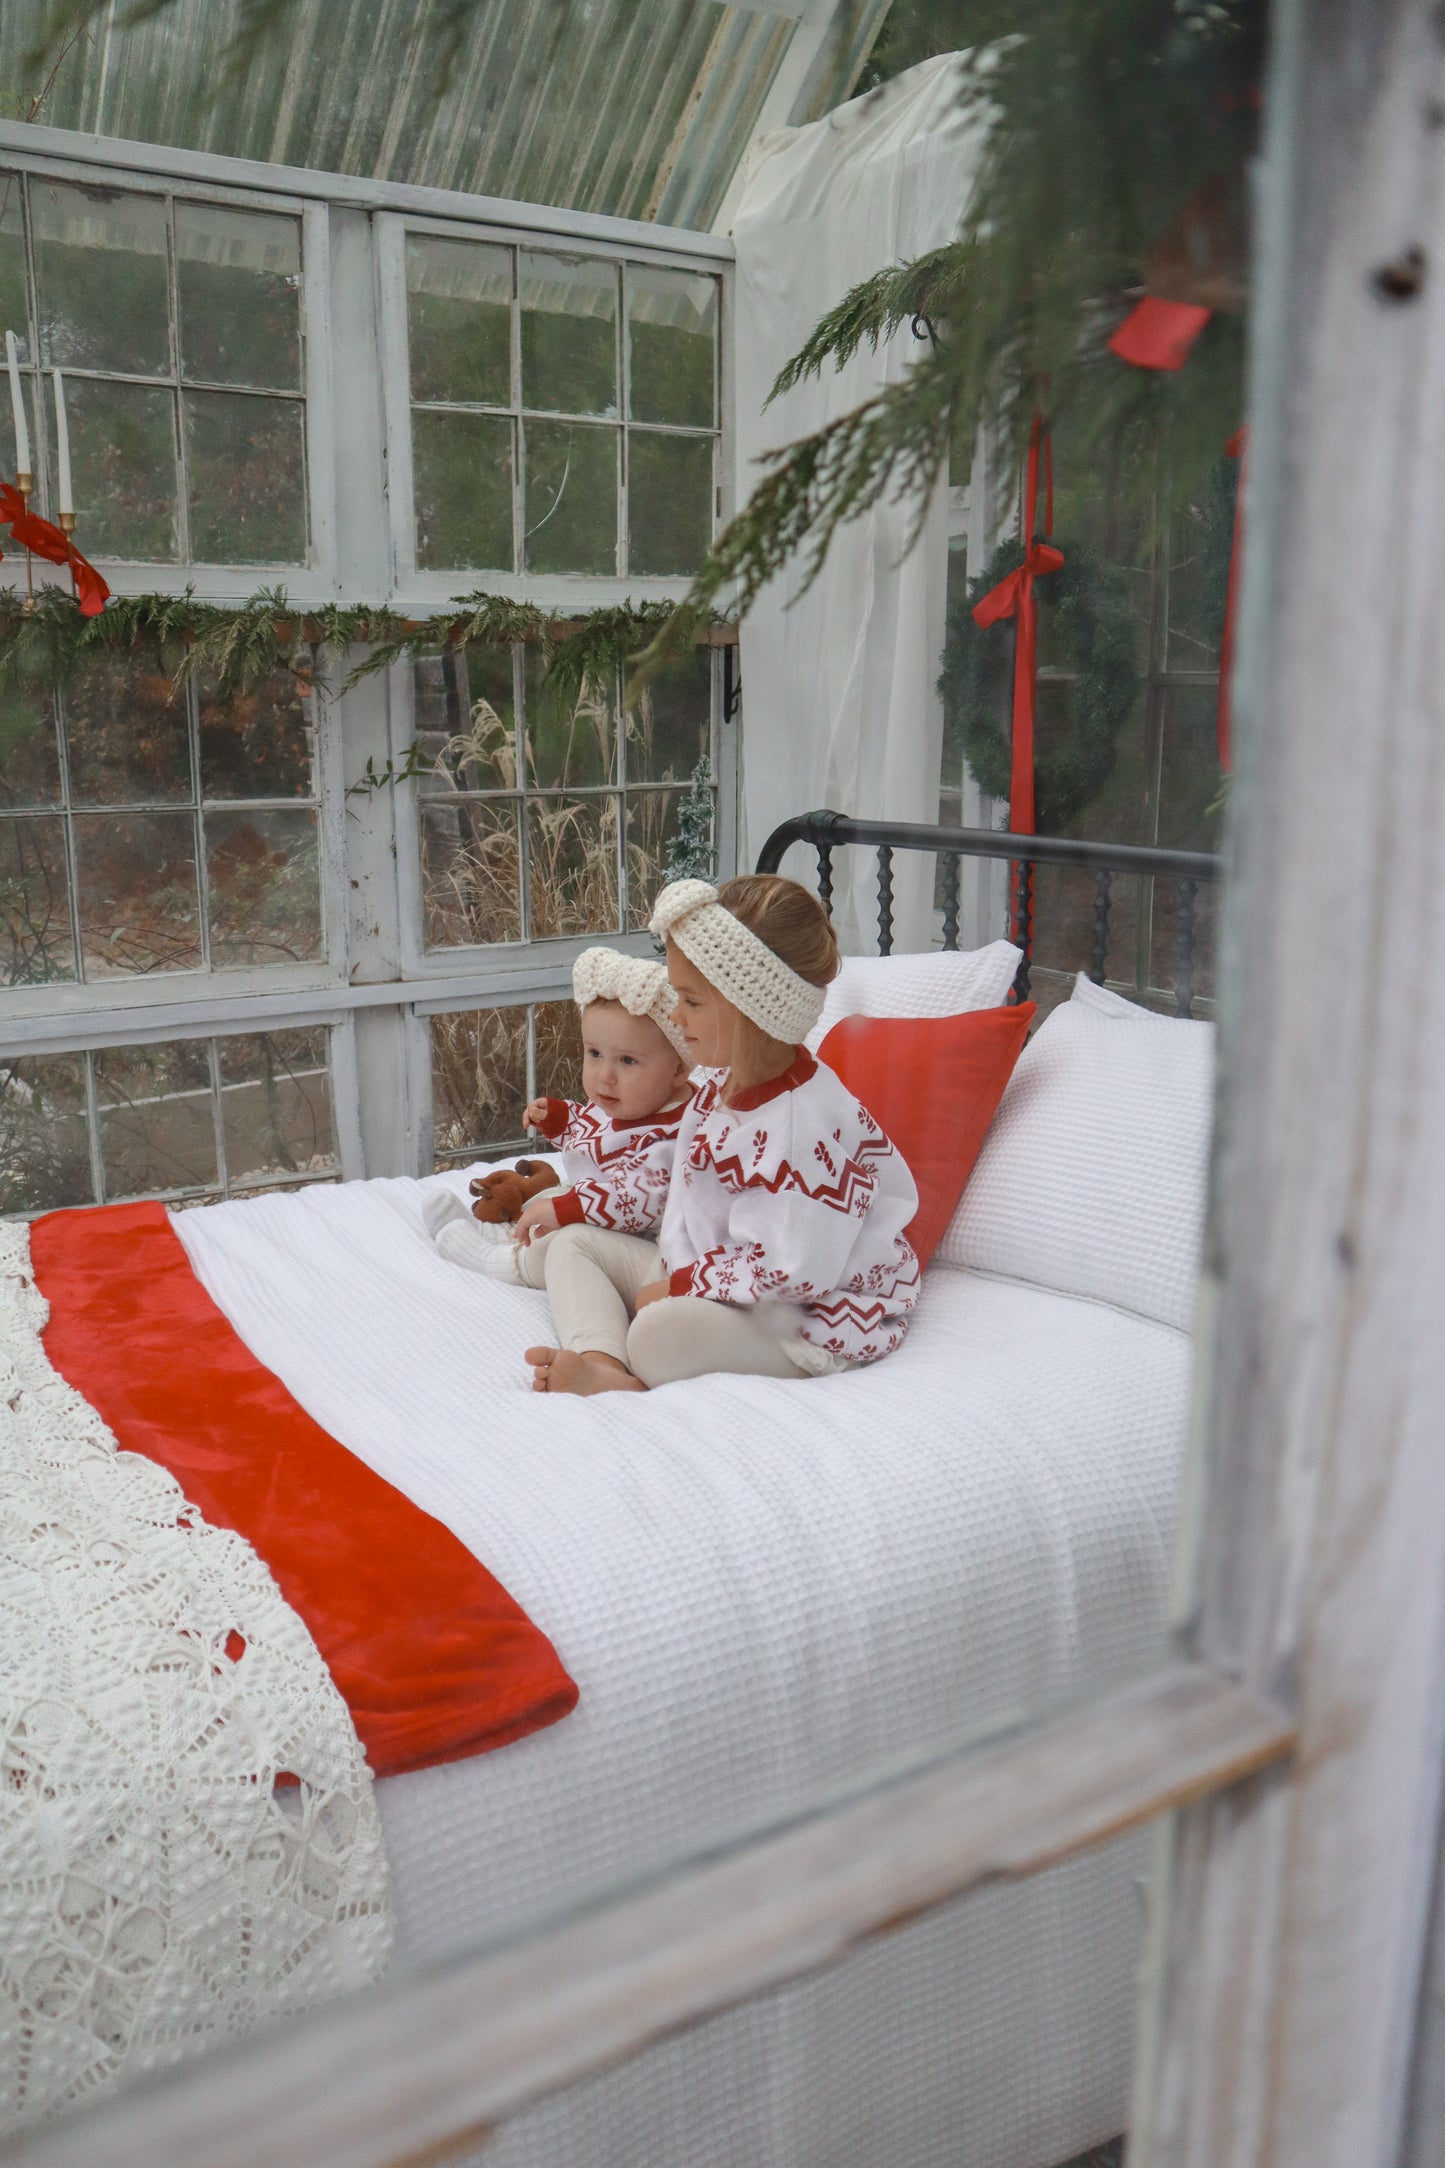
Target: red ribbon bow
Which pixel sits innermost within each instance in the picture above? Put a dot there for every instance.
(37, 534)
(1014, 597)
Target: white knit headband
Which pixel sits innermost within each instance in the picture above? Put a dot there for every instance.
(605, 974)
(730, 957)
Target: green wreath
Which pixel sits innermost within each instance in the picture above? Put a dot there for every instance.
(1083, 621)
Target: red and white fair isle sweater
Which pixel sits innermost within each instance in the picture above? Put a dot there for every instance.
(618, 1172)
(794, 1195)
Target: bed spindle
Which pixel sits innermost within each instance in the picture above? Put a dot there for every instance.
(950, 899)
(1184, 950)
(1023, 923)
(885, 899)
(1099, 942)
(825, 877)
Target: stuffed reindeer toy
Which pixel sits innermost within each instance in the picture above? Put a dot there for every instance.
(501, 1196)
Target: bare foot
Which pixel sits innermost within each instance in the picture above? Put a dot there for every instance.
(559, 1370)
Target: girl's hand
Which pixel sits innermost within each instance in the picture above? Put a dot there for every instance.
(537, 1218)
(655, 1291)
(534, 1114)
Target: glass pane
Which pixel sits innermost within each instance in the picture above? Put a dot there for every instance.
(558, 1040)
(238, 278)
(34, 902)
(462, 490)
(276, 1105)
(459, 320)
(29, 755)
(569, 333)
(669, 502)
(123, 458)
(14, 295)
(568, 747)
(670, 728)
(100, 274)
(471, 877)
(652, 827)
(139, 910)
(465, 715)
(259, 744)
(157, 1126)
(1200, 541)
(479, 1081)
(572, 865)
(44, 1142)
(246, 472)
(263, 887)
(672, 337)
(127, 734)
(571, 498)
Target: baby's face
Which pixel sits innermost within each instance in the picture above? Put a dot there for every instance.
(628, 1067)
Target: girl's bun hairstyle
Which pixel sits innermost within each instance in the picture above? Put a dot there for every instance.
(788, 919)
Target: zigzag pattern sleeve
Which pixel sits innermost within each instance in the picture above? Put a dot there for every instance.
(629, 1194)
(788, 1240)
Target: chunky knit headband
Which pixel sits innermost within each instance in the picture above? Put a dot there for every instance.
(730, 957)
(605, 974)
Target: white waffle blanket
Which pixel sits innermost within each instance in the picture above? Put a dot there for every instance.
(764, 1590)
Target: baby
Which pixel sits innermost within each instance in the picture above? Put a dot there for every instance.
(617, 1148)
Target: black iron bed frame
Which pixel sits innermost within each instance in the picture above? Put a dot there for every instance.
(1188, 870)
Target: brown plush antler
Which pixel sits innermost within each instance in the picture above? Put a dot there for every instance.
(501, 1196)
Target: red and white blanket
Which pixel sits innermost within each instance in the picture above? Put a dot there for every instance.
(432, 1656)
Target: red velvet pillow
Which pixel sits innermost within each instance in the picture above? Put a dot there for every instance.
(931, 1083)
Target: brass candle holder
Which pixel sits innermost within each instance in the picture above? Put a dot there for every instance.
(65, 521)
(25, 483)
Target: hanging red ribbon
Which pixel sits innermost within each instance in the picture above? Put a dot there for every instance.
(1014, 597)
(1158, 334)
(37, 534)
(1236, 448)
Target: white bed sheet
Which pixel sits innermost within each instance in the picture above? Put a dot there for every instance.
(764, 1590)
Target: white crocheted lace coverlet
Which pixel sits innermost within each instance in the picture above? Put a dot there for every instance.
(159, 1893)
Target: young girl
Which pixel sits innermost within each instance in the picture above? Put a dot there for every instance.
(617, 1147)
(782, 1251)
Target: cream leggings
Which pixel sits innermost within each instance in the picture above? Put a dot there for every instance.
(593, 1279)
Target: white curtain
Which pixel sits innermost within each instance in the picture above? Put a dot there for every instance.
(839, 690)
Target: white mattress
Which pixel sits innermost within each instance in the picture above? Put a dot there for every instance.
(764, 1590)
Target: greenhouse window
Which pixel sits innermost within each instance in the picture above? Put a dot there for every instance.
(561, 411)
(178, 327)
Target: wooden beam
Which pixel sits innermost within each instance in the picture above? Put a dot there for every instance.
(1288, 1968)
(398, 2075)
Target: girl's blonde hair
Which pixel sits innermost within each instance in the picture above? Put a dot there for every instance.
(793, 924)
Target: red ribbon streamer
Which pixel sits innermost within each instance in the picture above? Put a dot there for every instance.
(1236, 448)
(1159, 334)
(34, 533)
(1014, 597)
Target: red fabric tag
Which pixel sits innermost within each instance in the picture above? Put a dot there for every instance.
(433, 1658)
(1159, 334)
(931, 1083)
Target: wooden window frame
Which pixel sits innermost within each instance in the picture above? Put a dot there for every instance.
(1297, 1742)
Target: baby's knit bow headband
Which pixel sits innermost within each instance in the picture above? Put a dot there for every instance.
(605, 974)
(730, 957)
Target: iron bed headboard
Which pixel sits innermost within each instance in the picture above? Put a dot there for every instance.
(827, 831)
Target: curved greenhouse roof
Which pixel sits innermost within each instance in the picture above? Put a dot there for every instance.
(637, 108)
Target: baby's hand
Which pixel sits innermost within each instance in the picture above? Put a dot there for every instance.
(537, 1218)
(535, 1113)
(655, 1291)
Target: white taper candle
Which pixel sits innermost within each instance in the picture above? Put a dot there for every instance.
(66, 497)
(17, 406)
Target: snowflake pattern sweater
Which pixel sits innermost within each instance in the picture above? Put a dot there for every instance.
(618, 1172)
(794, 1195)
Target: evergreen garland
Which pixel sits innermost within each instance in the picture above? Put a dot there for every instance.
(1084, 618)
(233, 648)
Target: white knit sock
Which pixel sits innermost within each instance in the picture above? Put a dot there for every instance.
(480, 1248)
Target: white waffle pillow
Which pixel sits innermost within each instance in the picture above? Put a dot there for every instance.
(1091, 1178)
(939, 982)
